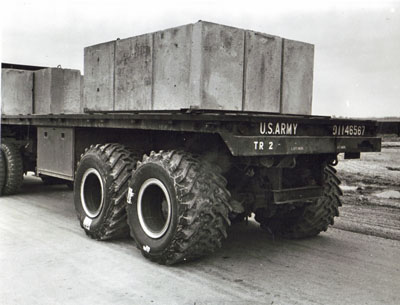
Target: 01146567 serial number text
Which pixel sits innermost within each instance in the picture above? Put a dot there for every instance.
(348, 130)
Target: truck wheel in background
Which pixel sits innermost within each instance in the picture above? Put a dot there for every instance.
(13, 168)
(2, 171)
(308, 219)
(177, 207)
(101, 183)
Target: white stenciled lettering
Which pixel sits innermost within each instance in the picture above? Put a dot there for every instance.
(283, 128)
(294, 128)
(263, 126)
(270, 130)
(279, 128)
(258, 145)
(289, 129)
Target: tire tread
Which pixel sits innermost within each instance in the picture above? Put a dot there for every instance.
(13, 167)
(203, 204)
(119, 163)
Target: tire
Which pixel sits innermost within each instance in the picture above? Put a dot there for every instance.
(101, 183)
(13, 168)
(2, 171)
(308, 219)
(178, 209)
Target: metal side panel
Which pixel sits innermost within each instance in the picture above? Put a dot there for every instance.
(296, 145)
(55, 152)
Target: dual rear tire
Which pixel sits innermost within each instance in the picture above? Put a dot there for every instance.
(176, 205)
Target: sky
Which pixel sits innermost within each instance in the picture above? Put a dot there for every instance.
(357, 43)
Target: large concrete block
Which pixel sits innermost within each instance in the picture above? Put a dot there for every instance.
(171, 68)
(99, 76)
(262, 72)
(133, 73)
(16, 91)
(72, 91)
(82, 84)
(57, 90)
(203, 65)
(221, 76)
(297, 77)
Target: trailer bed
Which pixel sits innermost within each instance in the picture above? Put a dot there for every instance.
(244, 133)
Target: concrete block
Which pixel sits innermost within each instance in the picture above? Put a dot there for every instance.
(82, 84)
(99, 76)
(263, 58)
(16, 92)
(72, 91)
(43, 89)
(171, 68)
(198, 65)
(57, 90)
(133, 73)
(221, 76)
(297, 77)
(203, 65)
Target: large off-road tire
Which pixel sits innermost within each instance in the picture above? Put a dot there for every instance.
(308, 219)
(2, 171)
(101, 184)
(177, 207)
(13, 167)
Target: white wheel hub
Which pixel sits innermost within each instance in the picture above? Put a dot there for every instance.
(154, 208)
(92, 190)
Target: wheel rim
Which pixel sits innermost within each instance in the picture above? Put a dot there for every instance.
(154, 208)
(92, 193)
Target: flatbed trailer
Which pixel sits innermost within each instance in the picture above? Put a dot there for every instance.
(242, 132)
(175, 180)
(200, 171)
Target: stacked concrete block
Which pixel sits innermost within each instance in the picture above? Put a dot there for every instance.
(202, 65)
(219, 52)
(99, 76)
(82, 82)
(297, 77)
(16, 91)
(57, 91)
(262, 91)
(133, 73)
(171, 68)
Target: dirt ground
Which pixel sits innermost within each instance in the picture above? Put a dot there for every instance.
(45, 257)
(371, 189)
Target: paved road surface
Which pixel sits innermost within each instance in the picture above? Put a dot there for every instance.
(45, 258)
